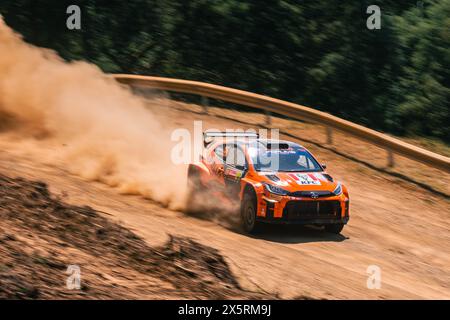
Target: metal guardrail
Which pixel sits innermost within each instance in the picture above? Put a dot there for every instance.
(294, 111)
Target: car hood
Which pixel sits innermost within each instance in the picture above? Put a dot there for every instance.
(300, 181)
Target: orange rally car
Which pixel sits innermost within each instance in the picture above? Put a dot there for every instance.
(275, 181)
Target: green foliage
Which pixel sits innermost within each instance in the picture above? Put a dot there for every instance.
(316, 53)
(424, 39)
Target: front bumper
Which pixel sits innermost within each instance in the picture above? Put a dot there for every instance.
(291, 210)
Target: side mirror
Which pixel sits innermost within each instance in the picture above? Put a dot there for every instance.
(324, 166)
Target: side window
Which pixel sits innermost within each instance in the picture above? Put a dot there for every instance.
(235, 157)
(219, 151)
(240, 158)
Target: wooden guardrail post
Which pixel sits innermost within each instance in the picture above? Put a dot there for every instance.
(267, 118)
(205, 104)
(390, 158)
(329, 135)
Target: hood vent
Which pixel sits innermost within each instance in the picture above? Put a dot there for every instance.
(273, 177)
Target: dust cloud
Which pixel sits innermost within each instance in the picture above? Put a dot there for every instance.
(102, 132)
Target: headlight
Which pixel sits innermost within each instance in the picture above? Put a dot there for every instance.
(338, 190)
(275, 190)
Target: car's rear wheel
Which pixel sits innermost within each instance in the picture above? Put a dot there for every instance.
(248, 214)
(335, 228)
(195, 191)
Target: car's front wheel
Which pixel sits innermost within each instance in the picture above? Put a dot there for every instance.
(335, 228)
(248, 214)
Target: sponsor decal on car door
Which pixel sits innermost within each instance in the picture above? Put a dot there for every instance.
(233, 174)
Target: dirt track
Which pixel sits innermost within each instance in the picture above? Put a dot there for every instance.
(394, 224)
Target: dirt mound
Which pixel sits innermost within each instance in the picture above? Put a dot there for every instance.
(41, 236)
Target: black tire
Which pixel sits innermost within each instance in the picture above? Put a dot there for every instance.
(248, 214)
(334, 228)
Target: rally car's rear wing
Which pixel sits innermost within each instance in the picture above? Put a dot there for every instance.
(209, 136)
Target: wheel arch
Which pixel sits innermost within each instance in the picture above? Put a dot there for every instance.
(197, 168)
(249, 189)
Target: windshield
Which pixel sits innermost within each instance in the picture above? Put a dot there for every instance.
(285, 160)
